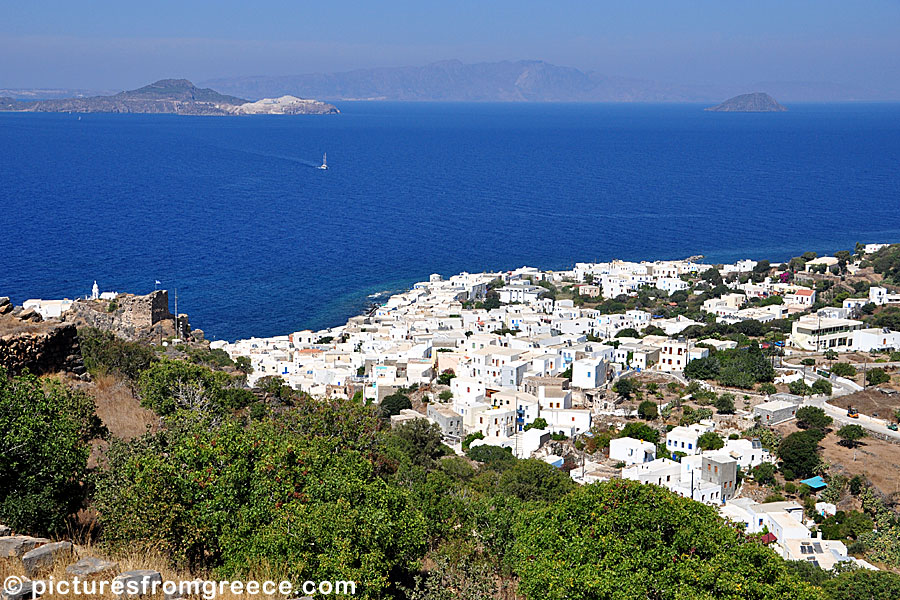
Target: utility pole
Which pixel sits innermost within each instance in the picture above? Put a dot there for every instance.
(865, 370)
(176, 314)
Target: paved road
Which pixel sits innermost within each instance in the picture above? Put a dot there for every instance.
(839, 415)
(843, 387)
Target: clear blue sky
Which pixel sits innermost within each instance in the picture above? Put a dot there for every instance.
(106, 44)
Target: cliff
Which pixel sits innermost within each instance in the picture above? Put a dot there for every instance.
(757, 102)
(167, 96)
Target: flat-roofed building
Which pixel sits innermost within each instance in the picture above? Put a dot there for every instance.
(820, 334)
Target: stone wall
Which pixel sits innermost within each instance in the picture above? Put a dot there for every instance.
(41, 348)
(128, 316)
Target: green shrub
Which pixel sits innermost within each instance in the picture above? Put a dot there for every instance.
(725, 404)
(300, 496)
(493, 456)
(648, 410)
(877, 376)
(393, 404)
(534, 479)
(45, 434)
(812, 417)
(640, 431)
(710, 441)
(764, 473)
(172, 384)
(690, 548)
(843, 369)
(104, 352)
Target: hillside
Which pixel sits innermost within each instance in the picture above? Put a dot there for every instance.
(168, 96)
(756, 102)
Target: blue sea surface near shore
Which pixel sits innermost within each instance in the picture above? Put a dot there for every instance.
(233, 213)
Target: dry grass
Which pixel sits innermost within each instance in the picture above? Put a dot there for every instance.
(119, 409)
(127, 562)
(870, 402)
(877, 460)
(10, 325)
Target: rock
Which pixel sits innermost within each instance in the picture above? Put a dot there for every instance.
(137, 583)
(44, 557)
(5, 531)
(91, 566)
(14, 546)
(29, 314)
(5, 305)
(21, 591)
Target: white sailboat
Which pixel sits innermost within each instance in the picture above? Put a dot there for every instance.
(324, 165)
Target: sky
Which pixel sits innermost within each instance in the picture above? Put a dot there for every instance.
(114, 45)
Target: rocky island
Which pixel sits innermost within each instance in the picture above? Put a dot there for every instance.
(171, 96)
(756, 102)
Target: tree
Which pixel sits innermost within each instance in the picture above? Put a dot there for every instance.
(420, 441)
(846, 525)
(851, 434)
(830, 355)
(821, 386)
(445, 396)
(710, 441)
(877, 376)
(639, 431)
(863, 584)
(45, 435)
(169, 385)
(625, 387)
(446, 376)
(242, 363)
(393, 404)
(648, 410)
(843, 369)
(812, 417)
(672, 544)
(533, 479)
(705, 368)
(712, 275)
(799, 387)
(628, 332)
(889, 317)
(475, 435)
(768, 389)
(492, 456)
(764, 473)
(539, 423)
(799, 454)
(725, 404)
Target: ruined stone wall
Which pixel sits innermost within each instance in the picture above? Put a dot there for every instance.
(128, 316)
(50, 348)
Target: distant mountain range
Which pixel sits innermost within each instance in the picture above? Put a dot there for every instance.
(512, 81)
(171, 96)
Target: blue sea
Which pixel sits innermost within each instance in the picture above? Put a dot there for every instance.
(233, 213)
